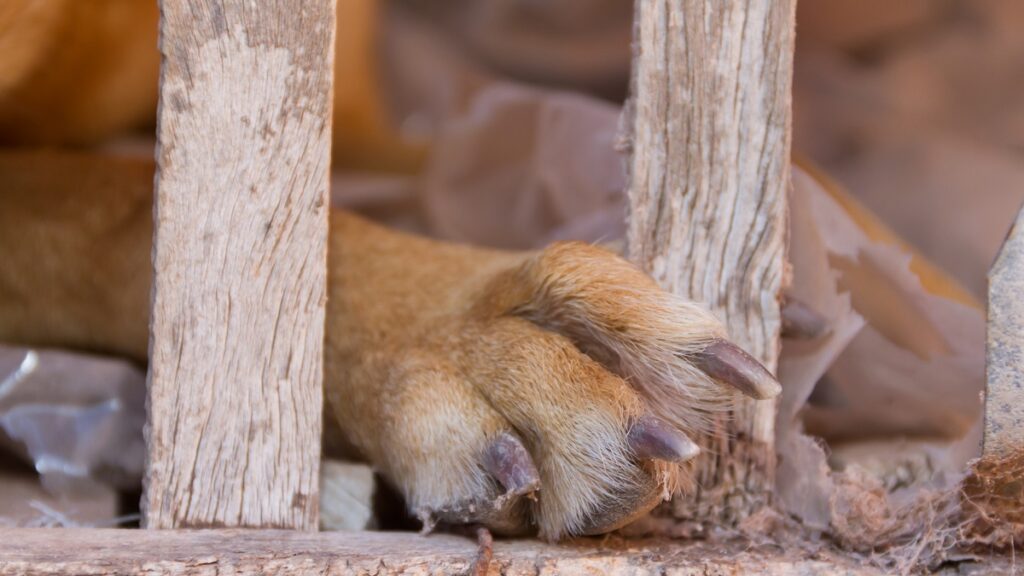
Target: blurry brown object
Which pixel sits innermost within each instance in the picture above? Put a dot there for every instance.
(578, 44)
(74, 72)
(924, 126)
(365, 134)
(851, 24)
(81, 72)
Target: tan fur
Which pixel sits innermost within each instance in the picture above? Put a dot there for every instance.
(73, 72)
(82, 71)
(433, 350)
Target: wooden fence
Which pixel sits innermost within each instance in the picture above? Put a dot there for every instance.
(238, 310)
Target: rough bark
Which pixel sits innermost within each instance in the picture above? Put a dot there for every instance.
(1004, 398)
(240, 264)
(223, 552)
(708, 131)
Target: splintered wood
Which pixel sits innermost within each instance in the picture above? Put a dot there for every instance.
(240, 264)
(1004, 398)
(708, 128)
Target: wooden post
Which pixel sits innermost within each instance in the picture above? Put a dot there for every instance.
(237, 330)
(993, 490)
(708, 128)
(1004, 398)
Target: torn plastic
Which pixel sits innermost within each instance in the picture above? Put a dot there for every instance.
(77, 419)
(24, 502)
(894, 387)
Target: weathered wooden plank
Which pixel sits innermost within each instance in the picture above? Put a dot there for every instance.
(1004, 398)
(239, 257)
(708, 128)
(224, 552)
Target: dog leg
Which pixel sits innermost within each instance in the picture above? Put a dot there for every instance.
(556, 390)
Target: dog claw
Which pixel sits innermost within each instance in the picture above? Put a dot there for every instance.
(800, 321)
(728, 363)
(653, 439)
(507, 460)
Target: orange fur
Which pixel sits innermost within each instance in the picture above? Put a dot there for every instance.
(82, 71)
(75, 72)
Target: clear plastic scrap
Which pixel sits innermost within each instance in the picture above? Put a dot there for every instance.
(77, 418)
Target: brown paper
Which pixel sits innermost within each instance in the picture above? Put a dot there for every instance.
(906, 364)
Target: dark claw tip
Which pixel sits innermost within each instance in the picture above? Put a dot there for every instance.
(729, 364)
(511, 465)
(653, 439)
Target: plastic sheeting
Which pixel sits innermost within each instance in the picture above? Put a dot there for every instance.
(76, 418)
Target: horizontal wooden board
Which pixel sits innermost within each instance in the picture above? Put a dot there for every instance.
(95, 551)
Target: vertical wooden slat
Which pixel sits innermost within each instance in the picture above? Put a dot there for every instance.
(1004, 398)
(708, 126)
(240, 264)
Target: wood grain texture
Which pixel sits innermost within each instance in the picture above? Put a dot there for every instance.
(708, 132)
(240, 264)
(226, 552)
(1004, 398)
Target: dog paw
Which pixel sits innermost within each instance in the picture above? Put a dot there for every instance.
(558, 392)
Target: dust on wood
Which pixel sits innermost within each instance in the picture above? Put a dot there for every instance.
(240, 264)
(708, 129)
